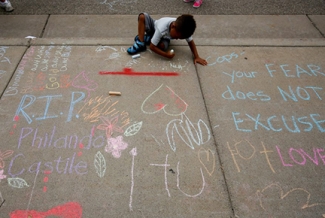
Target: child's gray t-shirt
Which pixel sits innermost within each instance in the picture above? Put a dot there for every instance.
(162, 30)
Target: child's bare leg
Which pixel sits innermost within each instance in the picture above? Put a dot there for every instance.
(141, 27)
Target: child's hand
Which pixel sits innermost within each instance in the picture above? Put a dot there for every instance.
(170, 54)
(200, 61)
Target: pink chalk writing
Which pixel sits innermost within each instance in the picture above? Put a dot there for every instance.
(300, 156)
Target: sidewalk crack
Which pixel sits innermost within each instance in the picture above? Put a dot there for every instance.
(216, 146)
(43, 30)
(323, 35)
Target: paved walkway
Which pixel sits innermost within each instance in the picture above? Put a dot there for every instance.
(241, 137)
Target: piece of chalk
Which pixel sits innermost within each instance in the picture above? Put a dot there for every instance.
(114, 93)
(136, 56)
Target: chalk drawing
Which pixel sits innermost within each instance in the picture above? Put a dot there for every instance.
(32, 192)
(165, 165)
(4, 155)
(113, 56)
(110, 126)
(132, 62)
(100, 164)
(256, 95)
(156, 140)
(133, 153)
(249, 150)
(28, 100)
(130, 72)
(133, 129)
(3, 51)
(283, 195)
(303, 93)
(206, 160)
(98, 106)
(240, 74)
(189, 134)
(5, 59)
(17, 183)
(178, 102)
(300, 156)
(239, 154)
(46, 179)
(116, 146)
(203, 183)
(225, 58)
(267, 156)
(83, 82)
(14, 88)
(68, 210)
(103, 48)
(178, 66)
(2, 176)
(70, 165)
(296, 70)
(81, 146)
(2, 73)
(309, 122)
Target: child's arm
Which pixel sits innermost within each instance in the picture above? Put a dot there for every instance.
(157, 50)
(197, 58)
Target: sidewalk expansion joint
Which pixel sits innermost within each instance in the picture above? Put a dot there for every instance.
(43, 30)
(315, 26)
(216, 145)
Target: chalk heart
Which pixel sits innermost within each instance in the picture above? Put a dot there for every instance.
(82, 81)
(166, 100)
(207, 159)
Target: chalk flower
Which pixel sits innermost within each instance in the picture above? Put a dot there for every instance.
(110, 126)
(116, 146)
(2, 176)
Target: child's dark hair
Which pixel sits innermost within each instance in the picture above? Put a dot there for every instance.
(185, 24)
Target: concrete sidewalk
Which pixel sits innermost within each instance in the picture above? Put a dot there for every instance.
(241, 137)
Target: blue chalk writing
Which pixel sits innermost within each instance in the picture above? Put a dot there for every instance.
(239, 74)
(49, 98)
(26, 104)
(225, 58)
(21, 107)
(278, 123)
(233, 95)
(73, 102)
(302, 93)
(294, 71)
